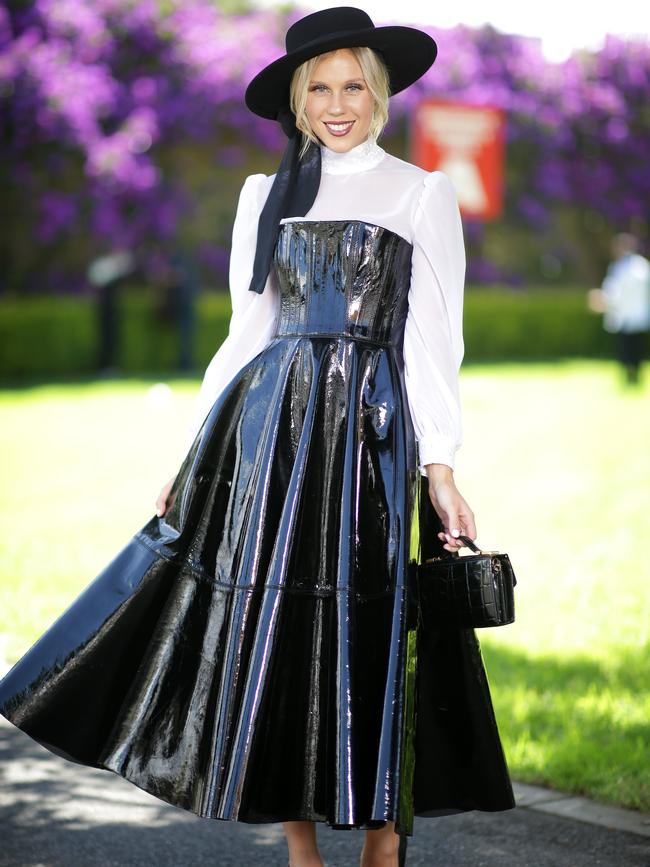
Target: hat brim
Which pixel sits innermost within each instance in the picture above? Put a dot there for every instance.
(407, 52)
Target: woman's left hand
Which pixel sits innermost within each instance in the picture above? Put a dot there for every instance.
(451, 507)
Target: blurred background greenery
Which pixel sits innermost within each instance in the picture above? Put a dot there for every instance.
(46, 337)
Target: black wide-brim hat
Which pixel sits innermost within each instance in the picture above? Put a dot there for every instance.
(407, 52)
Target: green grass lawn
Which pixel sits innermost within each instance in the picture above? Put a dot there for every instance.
(555, 464)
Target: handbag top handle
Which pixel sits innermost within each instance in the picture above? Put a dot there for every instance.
(467, 541)
(470, 544)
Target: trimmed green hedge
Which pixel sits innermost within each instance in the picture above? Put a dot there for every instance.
(500, 324)
(56, 336)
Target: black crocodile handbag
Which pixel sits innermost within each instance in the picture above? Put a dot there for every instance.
(470, 591)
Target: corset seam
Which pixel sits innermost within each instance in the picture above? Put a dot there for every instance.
(337, 334)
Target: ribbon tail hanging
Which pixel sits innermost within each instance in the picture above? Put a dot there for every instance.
(292, 194)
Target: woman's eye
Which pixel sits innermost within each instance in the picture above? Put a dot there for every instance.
(323, 87)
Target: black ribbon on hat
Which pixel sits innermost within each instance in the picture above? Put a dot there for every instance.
(292, 194)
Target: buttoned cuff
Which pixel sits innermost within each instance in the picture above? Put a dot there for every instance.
(437, 450)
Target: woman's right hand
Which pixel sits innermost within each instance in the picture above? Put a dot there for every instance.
(161, 502)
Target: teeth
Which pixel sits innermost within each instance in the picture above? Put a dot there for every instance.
(339, 126)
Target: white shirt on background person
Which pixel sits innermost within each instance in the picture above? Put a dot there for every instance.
(626, 288)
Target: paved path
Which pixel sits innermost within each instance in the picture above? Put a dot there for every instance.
(54, 813)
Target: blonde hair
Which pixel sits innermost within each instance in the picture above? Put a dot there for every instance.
(377, 79)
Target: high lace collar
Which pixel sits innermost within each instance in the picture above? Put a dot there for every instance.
(361, 157)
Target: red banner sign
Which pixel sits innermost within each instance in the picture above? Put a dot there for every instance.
(467, 143)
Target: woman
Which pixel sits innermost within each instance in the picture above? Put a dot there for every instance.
(256, 640)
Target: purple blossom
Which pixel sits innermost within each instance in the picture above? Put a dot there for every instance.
(533, 211)
(58, 213)
(216, 259)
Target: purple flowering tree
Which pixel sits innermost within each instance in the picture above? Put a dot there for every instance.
(123, 126)
(105, 103)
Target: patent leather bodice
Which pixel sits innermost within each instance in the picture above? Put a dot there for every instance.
(343, 277)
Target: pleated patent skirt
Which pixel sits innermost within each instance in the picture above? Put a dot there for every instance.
(253, 654)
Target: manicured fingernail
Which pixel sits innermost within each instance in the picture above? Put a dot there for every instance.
(455, 532)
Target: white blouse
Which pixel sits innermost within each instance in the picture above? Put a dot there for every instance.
(367, 183)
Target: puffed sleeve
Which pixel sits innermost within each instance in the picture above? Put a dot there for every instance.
(433, 335)
(253, 319)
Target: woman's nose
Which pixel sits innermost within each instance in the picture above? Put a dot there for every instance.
(335, 104)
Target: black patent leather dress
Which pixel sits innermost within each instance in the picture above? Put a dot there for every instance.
(253, 654)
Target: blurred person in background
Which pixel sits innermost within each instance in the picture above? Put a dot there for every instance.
(107, 274)
(624, 300)
(176, 303)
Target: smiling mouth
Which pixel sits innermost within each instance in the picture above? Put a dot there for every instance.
(338, 127)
